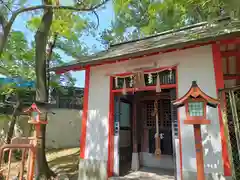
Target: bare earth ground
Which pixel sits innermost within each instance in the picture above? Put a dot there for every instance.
(65, 161)
(61, 161)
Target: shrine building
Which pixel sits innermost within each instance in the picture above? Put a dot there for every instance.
(128, 95)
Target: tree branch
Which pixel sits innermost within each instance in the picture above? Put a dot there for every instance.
(98, 21)
(8, 26)
(2, 2)
(2, 21)
(72, 8)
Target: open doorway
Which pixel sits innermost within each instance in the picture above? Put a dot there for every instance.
(124, 114)
(147, 129)
(140, 138)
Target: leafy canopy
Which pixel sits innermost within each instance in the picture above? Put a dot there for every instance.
(136, 19)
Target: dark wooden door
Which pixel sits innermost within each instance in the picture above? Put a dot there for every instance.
(125, 139)
(164, 123)
(165, 142)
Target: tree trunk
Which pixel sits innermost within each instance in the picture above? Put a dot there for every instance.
(6, 28)
(4, 38)
(42, 168)
(11, 128)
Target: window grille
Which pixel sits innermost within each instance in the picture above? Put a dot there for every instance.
(195, 108)
(164, 114)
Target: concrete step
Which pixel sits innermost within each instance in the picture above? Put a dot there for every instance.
(147, 174)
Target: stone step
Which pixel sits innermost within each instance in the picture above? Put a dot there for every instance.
(146, 174)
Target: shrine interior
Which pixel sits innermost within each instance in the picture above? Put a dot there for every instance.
(137, 129)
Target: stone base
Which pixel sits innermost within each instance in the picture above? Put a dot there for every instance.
(92, 170)
(135, 161)
(208, 176)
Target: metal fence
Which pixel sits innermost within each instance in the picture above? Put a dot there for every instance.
(230, 109)
(69, 98)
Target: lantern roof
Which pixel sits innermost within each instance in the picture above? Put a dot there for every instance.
(196, 92)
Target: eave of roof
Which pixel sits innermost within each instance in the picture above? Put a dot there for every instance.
(173, 39)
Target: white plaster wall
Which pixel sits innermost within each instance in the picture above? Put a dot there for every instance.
(199, 66)
(150, 160)
(63, 128)
(193, 64)
(97, 123)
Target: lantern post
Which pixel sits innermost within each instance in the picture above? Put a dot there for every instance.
(35, 120)
(195, 102)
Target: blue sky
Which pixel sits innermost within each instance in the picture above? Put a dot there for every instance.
(106, 15)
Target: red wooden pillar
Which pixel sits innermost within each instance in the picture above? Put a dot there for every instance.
(218, 71)
(199, 152)
(134, 127)
(135, 155)
(110, 163)
(238, 65)
(85, 114)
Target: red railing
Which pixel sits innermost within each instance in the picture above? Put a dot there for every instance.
(27, 145)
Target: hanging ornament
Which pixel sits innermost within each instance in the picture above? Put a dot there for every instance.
(140, 81)
(116, 82)
(158, 86)
(150, 79)
(131, 81)
(157, 137)
(124, 92)
(170, 75)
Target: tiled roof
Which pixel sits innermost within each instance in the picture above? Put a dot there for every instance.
(198, 33)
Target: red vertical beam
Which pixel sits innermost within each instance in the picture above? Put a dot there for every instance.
(111, 130)
(134, 134)
(199, 152)
(85, 113)
(179, 128)
(238, 64)
(218, 71)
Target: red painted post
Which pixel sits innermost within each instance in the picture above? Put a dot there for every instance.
(199, 152)
(31, 145)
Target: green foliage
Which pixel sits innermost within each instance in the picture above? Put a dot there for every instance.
(148, 17)
(18, 61)
(66, 23)
(18, 58)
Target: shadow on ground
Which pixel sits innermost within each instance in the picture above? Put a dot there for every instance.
(64, 161)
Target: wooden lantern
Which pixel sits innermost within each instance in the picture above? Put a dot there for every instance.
(195, 102)
(35, 113)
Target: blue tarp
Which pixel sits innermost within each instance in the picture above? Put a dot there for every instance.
(18, 81)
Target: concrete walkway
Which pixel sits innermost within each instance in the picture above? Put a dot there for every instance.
(147, 174)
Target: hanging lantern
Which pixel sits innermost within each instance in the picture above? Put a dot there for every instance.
(158, 87)
(124, 91)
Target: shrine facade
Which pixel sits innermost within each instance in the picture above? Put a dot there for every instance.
(129, 120)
